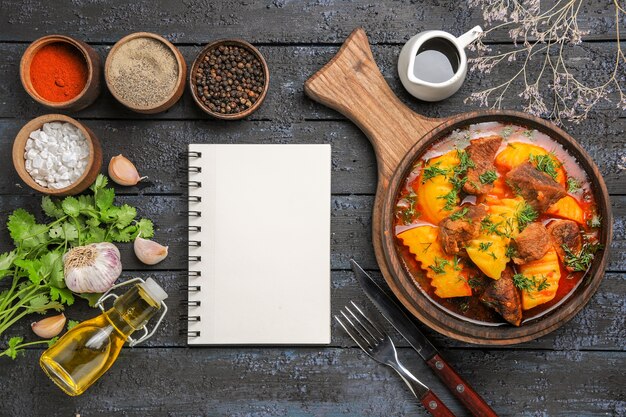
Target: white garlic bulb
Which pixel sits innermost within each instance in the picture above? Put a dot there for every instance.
(92, 268)
(149, 252)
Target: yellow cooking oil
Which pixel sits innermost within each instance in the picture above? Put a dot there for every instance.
(89, 349)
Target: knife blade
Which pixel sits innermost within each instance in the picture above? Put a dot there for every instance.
(418, 341)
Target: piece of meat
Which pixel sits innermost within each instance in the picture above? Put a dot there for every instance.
(538, 188)
(531, 244)
(565, 232)
(482, 152)
(455, 232)
(502, 296)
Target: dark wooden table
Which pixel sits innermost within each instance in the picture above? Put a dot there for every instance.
(578, 370)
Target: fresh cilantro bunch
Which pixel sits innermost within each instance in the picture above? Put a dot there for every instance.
(33, 271)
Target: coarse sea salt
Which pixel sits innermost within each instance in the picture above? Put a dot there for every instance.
(56, 155)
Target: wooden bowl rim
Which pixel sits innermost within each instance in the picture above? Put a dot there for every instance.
(37, 123)
(31, 51)
(246, 45)
(462, 330)
(182, 69)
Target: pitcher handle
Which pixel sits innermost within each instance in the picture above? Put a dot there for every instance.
(469, 36)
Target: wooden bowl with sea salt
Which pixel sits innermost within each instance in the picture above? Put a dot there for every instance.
(92, 168)
(145, 72)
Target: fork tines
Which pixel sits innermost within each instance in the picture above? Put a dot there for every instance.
(361, 329)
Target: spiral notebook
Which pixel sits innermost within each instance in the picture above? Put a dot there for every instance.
(259, 236)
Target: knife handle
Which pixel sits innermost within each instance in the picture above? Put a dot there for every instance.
(461, 389)
(435, 406)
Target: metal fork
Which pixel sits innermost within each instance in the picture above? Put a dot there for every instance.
(378, 345)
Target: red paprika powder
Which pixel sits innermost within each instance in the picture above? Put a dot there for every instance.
(58, 72)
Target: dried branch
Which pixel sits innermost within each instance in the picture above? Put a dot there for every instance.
(543, 36)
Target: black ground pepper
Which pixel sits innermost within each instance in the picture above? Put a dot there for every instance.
(230, 79)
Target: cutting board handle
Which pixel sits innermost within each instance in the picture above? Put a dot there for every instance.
(352, 84)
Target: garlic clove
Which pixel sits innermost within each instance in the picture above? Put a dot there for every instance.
(123, 172)
(49, 327)
(149, 252)
(92, 268)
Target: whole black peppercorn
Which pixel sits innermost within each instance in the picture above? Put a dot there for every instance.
(229, 80)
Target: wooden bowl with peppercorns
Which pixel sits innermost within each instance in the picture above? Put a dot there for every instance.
(229, 79)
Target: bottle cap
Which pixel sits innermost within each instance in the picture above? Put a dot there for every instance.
(154, 290)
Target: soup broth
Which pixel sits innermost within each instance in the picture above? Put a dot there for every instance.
(434, 196)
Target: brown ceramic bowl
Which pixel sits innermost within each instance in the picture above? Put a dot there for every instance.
(196, 64)
(91, 171)
(177, 92)
(92, 59)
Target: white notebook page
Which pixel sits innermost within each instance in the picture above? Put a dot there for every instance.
(265, 244)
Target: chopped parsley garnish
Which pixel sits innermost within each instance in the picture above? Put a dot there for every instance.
(450, 199)
(499, 229)
(493, 255)
(595, 221)
(582, 260)
(456, 264)
(528, 133)
(516, 188)
(573, 185)
(475, 282)
(511, 251)
(506, 132)
(527, 284)
(464, 305)
(488, 177)
(433, 171)
(408, 213)
(545, 163)
(525, 215)
(458, 215)
(484, 246)
(439, 266)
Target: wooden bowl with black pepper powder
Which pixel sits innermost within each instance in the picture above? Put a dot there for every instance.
(229, 79)
(145, 72)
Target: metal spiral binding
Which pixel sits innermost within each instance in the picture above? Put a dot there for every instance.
(191, 184)
(190, 288)
(191, 199)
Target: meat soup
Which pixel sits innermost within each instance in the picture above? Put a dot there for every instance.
(496, 222)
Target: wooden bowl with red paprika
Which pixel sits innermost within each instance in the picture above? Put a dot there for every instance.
(61, 72)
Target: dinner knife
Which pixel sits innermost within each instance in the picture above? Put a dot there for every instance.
(394, 315)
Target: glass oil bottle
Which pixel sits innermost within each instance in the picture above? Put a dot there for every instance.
(89, 349)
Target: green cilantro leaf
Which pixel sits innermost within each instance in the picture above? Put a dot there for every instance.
(32, 267)
(52, 341)
(71, 324)
(20, 224)
(71, 206)
(145, 228)
(39, 302)
(51, 208)
(95, 235)
(104, 199)
(63, 295)
(13, 348)
(125, 216)
(100, 183)
(6, 260)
